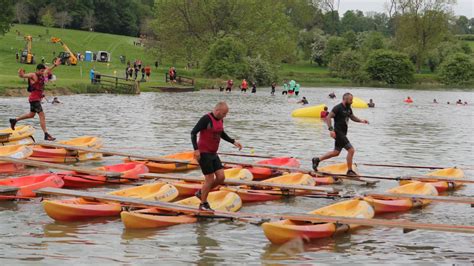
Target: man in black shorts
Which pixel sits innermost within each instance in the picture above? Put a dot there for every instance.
(211, 130)
(341, 114)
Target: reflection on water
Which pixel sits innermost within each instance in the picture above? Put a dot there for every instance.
(155, 124)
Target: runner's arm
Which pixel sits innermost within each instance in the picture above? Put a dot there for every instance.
(329, 120)
(358, 120)
(201, 124)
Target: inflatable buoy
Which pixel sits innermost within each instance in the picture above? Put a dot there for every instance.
(408, 100)
(311, 111)
(359, 103)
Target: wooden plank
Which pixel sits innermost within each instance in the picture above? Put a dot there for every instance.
(464, 200)
(4, 137)
(61, 167)
(8, 190)
(244, 183)
(292, 216)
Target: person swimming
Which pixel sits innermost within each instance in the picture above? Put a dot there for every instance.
(371, 103)
(459, 101)
(303, 101)
(324, 113)
(55, 101)
(434, 101)
(332, 95)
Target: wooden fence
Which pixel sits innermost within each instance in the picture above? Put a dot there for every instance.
(118, 85)
(180, 79)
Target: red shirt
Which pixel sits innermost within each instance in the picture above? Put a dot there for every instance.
(324, 114)
(38, 88)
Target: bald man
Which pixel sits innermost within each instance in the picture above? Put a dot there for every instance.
(341, 114)
(211, 130)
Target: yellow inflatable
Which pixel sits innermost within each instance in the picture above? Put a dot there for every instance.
(359, 103)
(311, 111)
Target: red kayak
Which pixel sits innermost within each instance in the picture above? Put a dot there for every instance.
(128, 170)
(260, 173)
(28, 184)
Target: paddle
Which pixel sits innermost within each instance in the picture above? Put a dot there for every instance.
(238, 216)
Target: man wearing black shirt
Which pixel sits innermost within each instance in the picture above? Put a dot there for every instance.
(211, 130)
(341, 114)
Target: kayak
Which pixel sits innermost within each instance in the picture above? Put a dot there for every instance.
(155, 218)
(188, 189)
(68, 159)
(28, 184)
(82, 209)
(259, 195)
(13, 151)
(83, 142)
(443, 186)
(337, 169)
(20, 132)
(359, 103)
(26, 141)
(156, 167)
(260, 173)
(310, 111)
(283, 231)
(384, 205)
(128, 170)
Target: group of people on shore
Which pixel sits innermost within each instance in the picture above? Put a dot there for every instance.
(132, 71)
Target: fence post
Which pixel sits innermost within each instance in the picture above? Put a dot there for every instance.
(166, 77)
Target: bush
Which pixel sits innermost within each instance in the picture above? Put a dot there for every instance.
(335, 45)
(390, 67)
(347, 65)
(260, 71)
(457, 69)
(318, 48)
(225, 57)
(466, 37)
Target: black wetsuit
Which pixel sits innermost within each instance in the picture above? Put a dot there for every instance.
(341, 117)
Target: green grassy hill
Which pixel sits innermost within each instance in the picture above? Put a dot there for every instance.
(78, 42)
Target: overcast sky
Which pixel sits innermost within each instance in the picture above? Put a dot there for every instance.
(463, 7)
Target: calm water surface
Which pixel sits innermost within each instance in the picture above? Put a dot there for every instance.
(159, 123)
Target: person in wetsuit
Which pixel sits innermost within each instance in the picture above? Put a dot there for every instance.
(254, 87)
(371, 103)
(341, 114)
(273, 89)
(211, 130)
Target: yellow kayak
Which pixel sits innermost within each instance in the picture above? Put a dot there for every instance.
(242, 174)
(13, 151)
(443, 186)
(154, 218)
(311, 111)
(20, 132)
(292, 179)
(359, 103)
(337, 169)
(283, 231)
(383, 205)
(83, 142)
(82, 209)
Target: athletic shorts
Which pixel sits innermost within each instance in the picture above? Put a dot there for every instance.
(243, 90)
(228, 89)
(284, 92)
(342, 142)
(210, 163)
(35, 107)
(296, 93)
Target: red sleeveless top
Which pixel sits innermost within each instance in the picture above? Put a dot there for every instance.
(210, 137)
(38, 88)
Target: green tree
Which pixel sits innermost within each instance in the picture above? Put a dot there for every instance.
(334, 46)
(354, 21)
(259, 71)
(47, 19)
(226, 57)
(348, 65)
(6, 16)
(457, 69)
(421, 26)
(318, 49)
(390, 67)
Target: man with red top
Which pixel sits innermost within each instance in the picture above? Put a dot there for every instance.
(211, 130)
(36, 83)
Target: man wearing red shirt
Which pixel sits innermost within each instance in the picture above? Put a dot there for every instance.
(36, 83)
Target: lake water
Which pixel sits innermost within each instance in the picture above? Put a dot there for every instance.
(160, 123)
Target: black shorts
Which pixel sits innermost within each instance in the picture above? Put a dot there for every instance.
(284, 92)
(228, 89)
(35, 107)
(297, 92)
(210, 163)
(342, 142)
(243, 90)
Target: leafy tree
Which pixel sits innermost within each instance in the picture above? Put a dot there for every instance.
(457, 69)
(63, 19)
(226, 58)
(354, 21)
(348, 65)
(89, 21)
(260, 71)
(22, 12)
(47, 19)
(318, 49)
(461, 25)
(6, 16)
(421, 26)
(331, 23)
(335, 45)
(351, 39)
(390, 67)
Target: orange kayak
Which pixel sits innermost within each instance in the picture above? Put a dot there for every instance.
(28, 184)
(84, 142)
(385, 205)
(260, 173)
(443, 186)
(128, 170)
(13, 151)
(156, 167)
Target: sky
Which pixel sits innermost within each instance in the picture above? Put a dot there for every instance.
(463, 7)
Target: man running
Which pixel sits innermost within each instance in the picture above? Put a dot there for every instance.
(273, 89)
(36, 83)
(341, 114)
(244, 86)
(211, 130)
